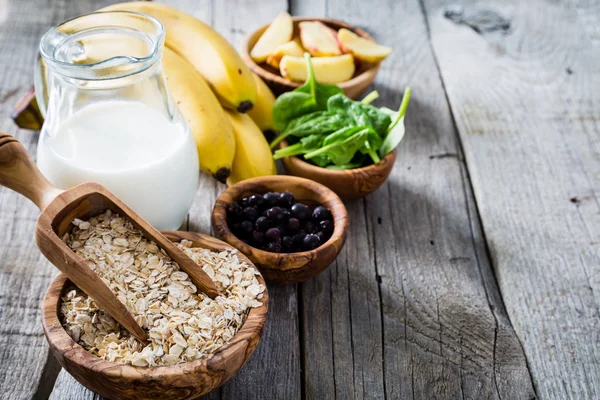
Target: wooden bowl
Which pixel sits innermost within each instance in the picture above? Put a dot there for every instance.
(348, 184)
(285, 268)
(184, 381)
(363, 76)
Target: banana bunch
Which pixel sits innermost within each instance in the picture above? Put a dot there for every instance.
(202, 70)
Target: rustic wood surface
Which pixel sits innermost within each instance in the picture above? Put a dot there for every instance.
(489, 220)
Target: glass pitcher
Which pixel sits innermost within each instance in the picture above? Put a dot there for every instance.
(110, 118)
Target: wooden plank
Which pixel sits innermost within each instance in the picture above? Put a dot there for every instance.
(526, 105)
(273, 372)
(25, 274)
(445, 333)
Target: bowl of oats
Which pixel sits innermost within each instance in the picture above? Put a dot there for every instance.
(195, 343)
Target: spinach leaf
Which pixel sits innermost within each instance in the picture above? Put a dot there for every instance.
(306, 144)
(291, 105)
(341, 134)
(342, 151)
(321, 161)
(311, 96)
(314, 123)
(360, 113)
(396, 130)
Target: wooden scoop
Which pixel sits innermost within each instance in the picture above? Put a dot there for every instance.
(59, 208)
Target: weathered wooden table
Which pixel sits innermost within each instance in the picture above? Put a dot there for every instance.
(473, 273)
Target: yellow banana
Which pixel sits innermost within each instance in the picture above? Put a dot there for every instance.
(206, 119)
(205, 49)
(252, 153)
(262, 112)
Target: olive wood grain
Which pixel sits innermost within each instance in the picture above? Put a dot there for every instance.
(363, 76)
(183, 381)
(59, 208)
(285, 268)
(348, 184)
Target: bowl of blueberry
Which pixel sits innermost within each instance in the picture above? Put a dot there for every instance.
(291, 228)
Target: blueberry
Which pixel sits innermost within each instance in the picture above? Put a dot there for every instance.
(246, 228)
(273, 235)
(258, 237)
(275, 214)
(300, 211)
(286, 199)
(320, 213)
(257, 200)
(286, 214)
(274, 247)
(298, 240)
(272, 198)
(311, 241)
(322, 237)
(236, 228)
(234, 210)
(293, 225)
(310, 227)
(326, 227)
(263, 223)
(244, 202)
(250, 213)
(288, 243)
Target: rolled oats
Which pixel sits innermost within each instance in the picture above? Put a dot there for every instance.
(182, 323)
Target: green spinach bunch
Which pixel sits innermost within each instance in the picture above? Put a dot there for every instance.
(330, 130)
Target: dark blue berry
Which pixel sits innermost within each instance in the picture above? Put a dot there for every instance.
(272, 198)
(288, 243)
(320, 213)
(250, 214)
(286, 199)
(263, 223)
(293, 225)
(246, 228)
(274, 248)
(257, 200)
(311, 242)
(275, 214)
(326, 227)
(300, 211)
(273, 235)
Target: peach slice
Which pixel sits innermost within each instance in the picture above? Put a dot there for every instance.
(363, 49)
(291, 48)
(318, 39)
(334, 69)
(279, 32)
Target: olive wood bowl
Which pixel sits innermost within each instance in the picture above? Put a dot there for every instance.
(183, 381)
(363, 76)
(285, 268)
(349, 184)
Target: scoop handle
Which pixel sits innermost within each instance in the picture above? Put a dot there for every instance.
(19, 173)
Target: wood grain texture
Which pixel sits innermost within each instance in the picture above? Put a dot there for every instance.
(363, 76)
(443, 332)
(526, 105)
(285, 268)
(182, 381)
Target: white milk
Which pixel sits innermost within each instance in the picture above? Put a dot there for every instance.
(132, 150)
